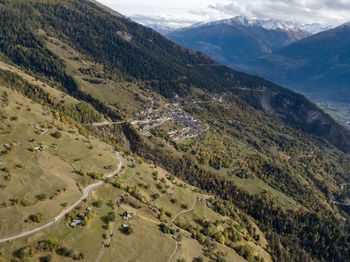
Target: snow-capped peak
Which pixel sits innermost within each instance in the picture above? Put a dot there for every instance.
(270, 24)
(243, 20)
(314, 28)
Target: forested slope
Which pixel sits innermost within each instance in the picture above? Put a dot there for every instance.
(268, 150)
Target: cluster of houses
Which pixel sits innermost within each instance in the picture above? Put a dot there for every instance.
(180, 117)
(127, 216)
(147, 112)
(41, 147)
(151, 118)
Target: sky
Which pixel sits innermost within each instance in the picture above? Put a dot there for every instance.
(181, 13)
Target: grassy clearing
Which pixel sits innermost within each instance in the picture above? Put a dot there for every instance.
(83, 239)
(172, 195)
(147, 242)
(256, 186)
(127, 97)
(40, 168)
(49, 173)
(32, 80)
(148, 181)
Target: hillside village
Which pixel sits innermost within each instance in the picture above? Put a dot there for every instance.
(139, 202)
(170, 119)
(116, 144)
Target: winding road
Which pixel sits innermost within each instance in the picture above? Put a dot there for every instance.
(113, 226)
(185, 211)
(106, 123)
(86, 191)
(175, 217)
(175, 251)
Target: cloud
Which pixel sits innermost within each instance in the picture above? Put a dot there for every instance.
(181, 13)
(164, 21)
(322, 11)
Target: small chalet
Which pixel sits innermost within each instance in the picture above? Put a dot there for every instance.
(76, 222)
(127, 215)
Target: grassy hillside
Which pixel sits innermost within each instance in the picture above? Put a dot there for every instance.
(262, 169)
(46, 149)
(48, 158)
(132, 52)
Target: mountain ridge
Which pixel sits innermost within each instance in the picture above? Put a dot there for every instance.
(258, 149)
(312, 65)
(268, 23)
(236, 41)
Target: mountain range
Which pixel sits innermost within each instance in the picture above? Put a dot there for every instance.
(119, 144)
(238, 40)
(268, 24)
(311, 59)
(318, 65)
